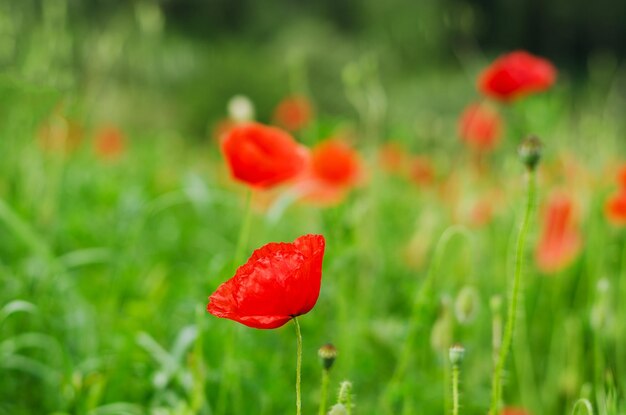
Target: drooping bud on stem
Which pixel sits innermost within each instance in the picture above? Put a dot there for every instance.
(530, 152)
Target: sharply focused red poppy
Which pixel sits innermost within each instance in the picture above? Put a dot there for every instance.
(263, 156)
(334, 169)
(293, 113)
(280, 281)
(560, 241)
(480, 127)
(515, 75)
(109, 143)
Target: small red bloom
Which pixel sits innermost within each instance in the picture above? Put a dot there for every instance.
(109, 142)
(615, 208)
(514, 411)
(515, 75)
(293, 113)
(335, 168)
(263, 156)
(280, 281)
(421, 171)
(560, 241)
(480, 126)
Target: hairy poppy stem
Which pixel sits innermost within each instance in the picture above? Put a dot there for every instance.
(455, 389)
(298, 367)
(496, 390)
(324, 392)
(244, 232)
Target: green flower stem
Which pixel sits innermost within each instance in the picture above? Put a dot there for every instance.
(298, 368)
(455, 389)
(324, 392)
(244, 232)
(496, 391)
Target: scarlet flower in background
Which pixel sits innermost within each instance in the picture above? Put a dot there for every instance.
(335, 168)
(279, 281)
(480, 127)
(560, 240)
(514, 411)
(421, 171)
(293, 113)
(263, 156)
(615, 208)
(109, 142)
(515, 75)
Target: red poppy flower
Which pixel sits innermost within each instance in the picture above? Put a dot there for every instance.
(615, 208)
(421, 171)
(515, 75)
(335, 168)
(560, 242)
(514, 411)
(109, 142)
(293, 113)
(280, 281)
(263, 156)
(480, 126)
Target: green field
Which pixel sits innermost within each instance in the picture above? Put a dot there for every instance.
(107, 261)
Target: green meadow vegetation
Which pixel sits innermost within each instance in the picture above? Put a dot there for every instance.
(108, 254)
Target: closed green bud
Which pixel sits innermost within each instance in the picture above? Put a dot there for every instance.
(530, 152)
(456, 354)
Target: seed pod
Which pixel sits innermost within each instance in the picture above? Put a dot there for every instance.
(456, 354)
(467, 305)
(328, 354)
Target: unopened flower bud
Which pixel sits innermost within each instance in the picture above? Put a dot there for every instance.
(530, 152)
(338, 409)
(456, 354)
(467, 304)
(328, 354)
(496, 304)
(240, 108)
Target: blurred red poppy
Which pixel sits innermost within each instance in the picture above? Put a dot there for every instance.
(109, 142)
(480, 127)
(263, 156)
(515, 75)
(279, 281)
(560, 241)
(421, 171)
(293, 113)
(514, 411)
(615, 208)
(335, 168)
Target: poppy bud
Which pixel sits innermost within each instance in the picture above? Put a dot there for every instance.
(467, 305)
(345, 392)
(456, 354)
(338, 409)
(328, 354)
(496, 304)
(530, 152)
(241, 108)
